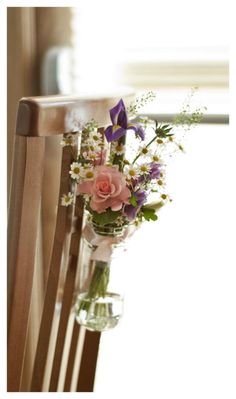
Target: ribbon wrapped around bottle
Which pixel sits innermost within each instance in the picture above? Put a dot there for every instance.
(104, 244)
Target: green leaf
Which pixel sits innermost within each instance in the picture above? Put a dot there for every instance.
(133, 200)
(106, 217)
(154, 205)
(165, 126)
(168, 130)
(149, 214)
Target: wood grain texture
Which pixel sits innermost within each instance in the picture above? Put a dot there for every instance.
(25, 261)
(14, 217)
(68, 293)
(71, 357)
(88, 362)
(53, 115)
(53, 278)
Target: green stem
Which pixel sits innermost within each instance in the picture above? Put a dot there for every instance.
(100, 279)
(150, 142)
(98, 285)
(118, 159)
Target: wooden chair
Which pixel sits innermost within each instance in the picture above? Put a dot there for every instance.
(44, 249)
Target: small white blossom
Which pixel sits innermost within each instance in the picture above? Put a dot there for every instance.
(144, 168)
(118, 148)
(155, 157)
(88, 174)
(144, 151)
(95, 136)
(69, 139)
(130, 171)
(67, 199)
(165, 198)
(76, 170)
(91, 155)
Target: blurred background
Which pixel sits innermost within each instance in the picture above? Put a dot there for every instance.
(98, 50)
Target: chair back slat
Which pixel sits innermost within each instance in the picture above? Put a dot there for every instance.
(16, 197)
(71, 356)
(25, 261)
(68, 294)
(53, 277)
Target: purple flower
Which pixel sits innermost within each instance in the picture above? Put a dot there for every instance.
(154, 172)
(120, 124)
(131, 211)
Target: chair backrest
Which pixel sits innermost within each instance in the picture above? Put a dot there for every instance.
(47, 350)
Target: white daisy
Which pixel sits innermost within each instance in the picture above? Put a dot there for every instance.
(161, 184)
(160, 141)
(94, 147)
(118, 148)
(67, 199)
(144, 151)
(155, 157)
(88, 174)
(95, 136)
(130, 171)
(76, 170)
(69, 139)
(144, 168)
(165, 198)
(91, 155)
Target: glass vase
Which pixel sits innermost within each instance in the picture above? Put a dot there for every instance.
(99, 304)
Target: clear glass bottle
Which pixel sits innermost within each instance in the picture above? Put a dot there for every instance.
(99, 304)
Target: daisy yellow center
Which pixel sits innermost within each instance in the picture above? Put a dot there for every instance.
(159, 141)
(144, 168)
(155, 158)
(89, 174)
(76, 170)
(160, 182)
(132, 172)
(126, 162)
(144, 150)
(119, 148)
(68, 141)
(164, 196)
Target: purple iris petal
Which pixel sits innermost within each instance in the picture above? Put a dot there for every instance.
(119, 118)
(131, 211)
(112, 134)
(114, 112)
(122, 119)
(138, 130)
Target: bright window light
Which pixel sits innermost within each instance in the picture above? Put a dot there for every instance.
(148, 45)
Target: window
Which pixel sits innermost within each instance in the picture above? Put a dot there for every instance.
(151, 46)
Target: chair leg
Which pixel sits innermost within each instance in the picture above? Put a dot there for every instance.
(88, 362)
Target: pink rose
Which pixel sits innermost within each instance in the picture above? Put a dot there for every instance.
(108, 189)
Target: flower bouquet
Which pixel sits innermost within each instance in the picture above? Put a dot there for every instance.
(117, 172)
